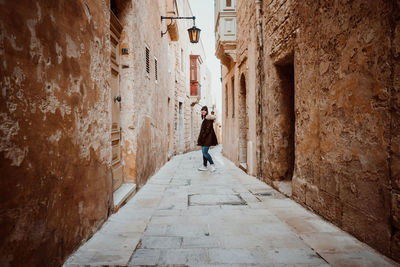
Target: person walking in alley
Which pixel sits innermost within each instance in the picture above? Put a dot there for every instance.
(207, 138)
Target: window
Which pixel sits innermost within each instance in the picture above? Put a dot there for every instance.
(155, 69)
(147, 60)
(229, 3)
(194, 68)
(113, 7)
(233, 96)
(195, 86)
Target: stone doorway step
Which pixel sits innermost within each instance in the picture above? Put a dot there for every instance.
(122, 194)
(285, 187)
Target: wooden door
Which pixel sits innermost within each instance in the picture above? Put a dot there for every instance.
(115, 34)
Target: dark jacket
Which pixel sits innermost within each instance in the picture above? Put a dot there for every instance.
(207, 135)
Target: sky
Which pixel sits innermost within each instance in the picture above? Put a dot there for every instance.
(203, 10)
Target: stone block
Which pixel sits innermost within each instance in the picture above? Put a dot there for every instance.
(299, 189)
(363, 257)
(312, 197)
(149, 242)
(331, 207)
(235, 256)
(145, 257)
(396, 170)
(211, 199)
(375, 233)
(186, 257)
(324, 203)
(301, 225)
(371, 197)
(329, 178)
(395, 246)
(396, 209)
(332, 242)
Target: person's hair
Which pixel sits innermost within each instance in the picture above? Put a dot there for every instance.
(206, 109)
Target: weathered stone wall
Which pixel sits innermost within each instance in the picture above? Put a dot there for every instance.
(184, 132)
(394, 103)
(239, 136)
(55, 128)
(229, 122)
(145, 111)
(247, 57)
(332, 110)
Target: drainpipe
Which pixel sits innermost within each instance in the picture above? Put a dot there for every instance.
(260, 74)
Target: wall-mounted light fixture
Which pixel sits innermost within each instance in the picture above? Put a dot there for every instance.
(194, 32)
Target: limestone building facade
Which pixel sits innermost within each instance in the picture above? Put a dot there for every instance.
(312, 89)
(189, 83)
(89, 90)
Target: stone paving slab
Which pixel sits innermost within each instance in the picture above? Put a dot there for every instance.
(183, 217)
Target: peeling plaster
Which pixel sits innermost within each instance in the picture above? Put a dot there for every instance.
(36, 49)
(72, 48)
(59, 53)
(97, 60)
(51, 102)
(75, 85)
(91, 129)
(11, 38)
(35, 46)
(19, 76)
(90, 132)
(2, 33)
(52, 17)
(54, 138)
(9, 129)
(39, 12)
(87, 12)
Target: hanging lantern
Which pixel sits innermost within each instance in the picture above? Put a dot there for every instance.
(194, 34)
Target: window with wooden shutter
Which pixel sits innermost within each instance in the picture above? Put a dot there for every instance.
(194, 75)
(155, 69)
(147, 60)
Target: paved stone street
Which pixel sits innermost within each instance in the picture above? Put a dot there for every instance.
(185, 217)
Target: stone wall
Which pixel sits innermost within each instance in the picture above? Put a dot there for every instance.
(332, 110)
(56, 186)
(145, 108)
(55, 128)
(184, 131)
(239, 136)
(247, 57)
(229, 122)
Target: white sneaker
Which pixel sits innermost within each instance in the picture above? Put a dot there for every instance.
(202, 168)
(212, 168)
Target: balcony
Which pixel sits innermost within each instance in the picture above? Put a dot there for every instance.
(225, 31)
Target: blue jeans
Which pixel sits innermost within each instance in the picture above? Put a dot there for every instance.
(206, 156)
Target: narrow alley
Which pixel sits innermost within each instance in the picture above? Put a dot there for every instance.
(190, 218)
(108, 105)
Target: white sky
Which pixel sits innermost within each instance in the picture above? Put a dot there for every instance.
(203, 10)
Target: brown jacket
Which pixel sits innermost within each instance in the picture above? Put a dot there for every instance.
(207, 135)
